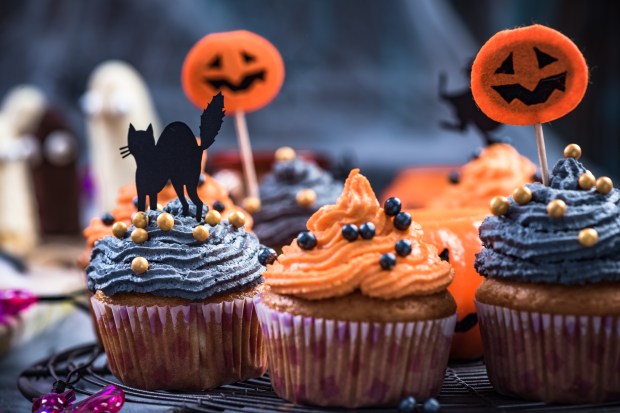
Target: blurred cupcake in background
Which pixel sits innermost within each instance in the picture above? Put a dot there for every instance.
(293, 191)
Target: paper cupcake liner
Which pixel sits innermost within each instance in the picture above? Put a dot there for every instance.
(354, 364)
(551, 358)
(188, 347)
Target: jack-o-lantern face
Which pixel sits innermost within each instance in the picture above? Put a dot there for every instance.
(244, 66)
(528, 75)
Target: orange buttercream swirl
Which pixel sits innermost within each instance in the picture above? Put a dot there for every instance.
(337, 267)
(209, 192)
(497, 171)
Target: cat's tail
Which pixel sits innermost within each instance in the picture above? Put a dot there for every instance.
(211, 121)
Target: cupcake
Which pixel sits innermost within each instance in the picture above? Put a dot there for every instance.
(549, 306)
(355, 311)
(290, 194)
(209, 190)
(173, 301)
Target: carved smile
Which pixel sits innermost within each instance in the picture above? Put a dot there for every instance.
(541, 94)
(467, 323)
(246, 82)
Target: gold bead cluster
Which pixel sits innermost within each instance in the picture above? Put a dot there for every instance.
(557, 208)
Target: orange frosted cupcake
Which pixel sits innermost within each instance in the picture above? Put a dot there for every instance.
(356, 311)
(210, 191)
(496, 171)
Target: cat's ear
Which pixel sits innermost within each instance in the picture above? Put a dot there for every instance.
(131, 128)
(150, 129)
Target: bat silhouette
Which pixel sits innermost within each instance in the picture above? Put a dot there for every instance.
(540, 94)
(176, 157)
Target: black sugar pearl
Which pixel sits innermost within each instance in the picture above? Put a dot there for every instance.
(267, 256)
(392, 206)
(454, 177)
(201, 180)
(107, 219)
(403, 247)
(135, 201)
(350, 232)
(431, 406)
(306, 240)
(402, 221)
(476, 154)
(219, 206)
(445, 255)
(367, 230)
(407, 405)
(387, 261)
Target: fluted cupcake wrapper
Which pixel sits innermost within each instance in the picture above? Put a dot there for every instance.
(354, 364)
(551, 358)
(187, 347)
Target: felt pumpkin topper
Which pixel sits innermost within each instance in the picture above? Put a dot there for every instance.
(247, 69)
(529, 75)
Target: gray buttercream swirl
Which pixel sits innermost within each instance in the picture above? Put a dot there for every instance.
(179, 266)
(280, 218)
(528, 245)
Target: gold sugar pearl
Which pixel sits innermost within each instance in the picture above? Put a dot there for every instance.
(237, 219)
(522, 195)
(556, 208)
(588, 237)
(140, 219)
(119, 229)
(305, 198)
(139, 235)
(499, 205)
(200, 233)
(213, 217)
(587, 180)
(285, 153)
(572, 151)
(165, 221)
(251, 204)
(604, 185)
(139, 265)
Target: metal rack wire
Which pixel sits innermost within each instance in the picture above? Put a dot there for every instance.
(466, 389)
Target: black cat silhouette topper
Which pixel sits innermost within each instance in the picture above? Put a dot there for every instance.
(176, 157)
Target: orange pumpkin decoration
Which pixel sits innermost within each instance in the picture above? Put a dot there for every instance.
(244, 66)
(528, 75)
(417, 187)
(455, 234)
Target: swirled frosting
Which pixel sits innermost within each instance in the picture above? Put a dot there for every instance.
(337, 267)
(497, 171)
(529, 245)
(280, 218)
(209, 192)
(179, 266)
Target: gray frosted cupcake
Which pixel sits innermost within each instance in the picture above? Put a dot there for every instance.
(549, 307)
(293, 191)
(173, 301)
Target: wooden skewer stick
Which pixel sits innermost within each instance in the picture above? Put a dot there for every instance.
(542, 154)
(249, 171)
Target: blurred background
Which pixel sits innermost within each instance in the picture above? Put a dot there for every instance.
(362, 76)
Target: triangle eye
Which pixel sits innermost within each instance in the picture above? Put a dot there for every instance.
(247, 58)
(216, 63)
(506, 67)
(543, 58)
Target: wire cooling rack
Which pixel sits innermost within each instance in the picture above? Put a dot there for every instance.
(466, 389)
